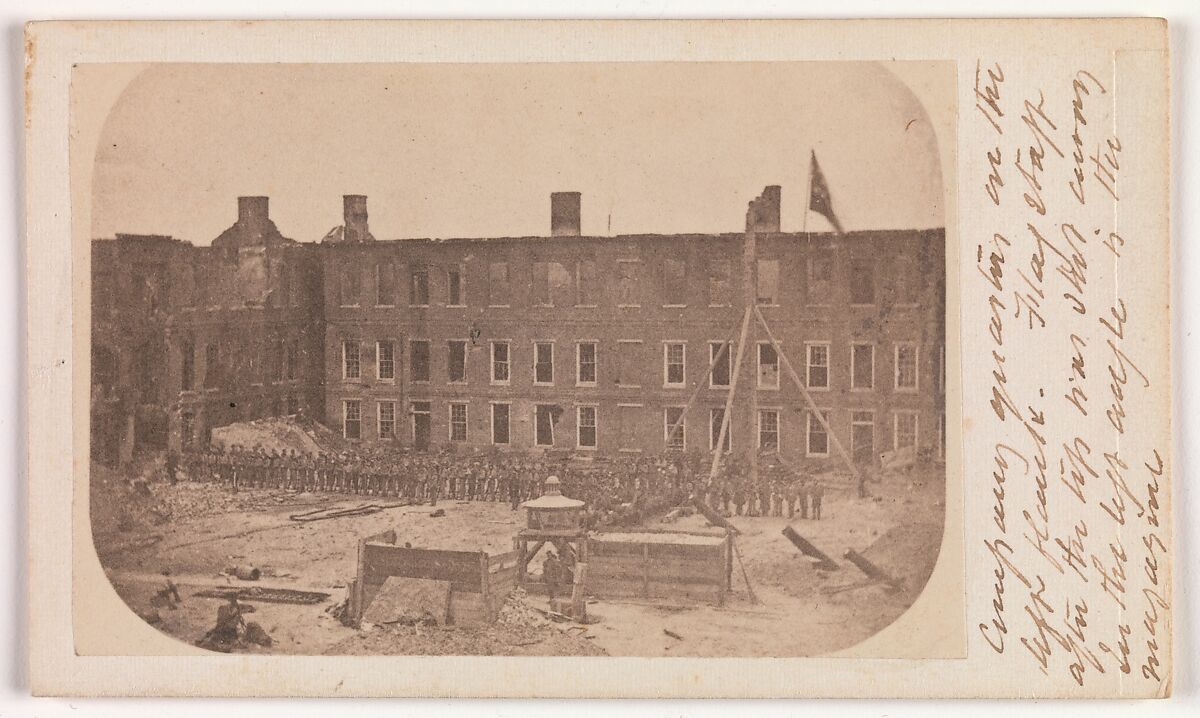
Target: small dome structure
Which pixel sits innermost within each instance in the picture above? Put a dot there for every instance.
(552, 510)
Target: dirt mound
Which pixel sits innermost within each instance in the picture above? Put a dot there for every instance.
(123, 506)
(277, 434)
(908, 552)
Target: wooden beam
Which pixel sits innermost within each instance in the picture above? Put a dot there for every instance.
(719, 449)
(807, 397)
(699, 386)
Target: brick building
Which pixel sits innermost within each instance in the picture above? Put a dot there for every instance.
(566, 342)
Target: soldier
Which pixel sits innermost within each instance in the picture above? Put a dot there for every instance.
(739, 497)
(803, 497)
(552, 574)
(789, 493)
(818, 493)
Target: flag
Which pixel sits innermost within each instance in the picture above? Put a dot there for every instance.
(819, 200)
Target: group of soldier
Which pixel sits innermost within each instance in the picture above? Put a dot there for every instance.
(623, 491)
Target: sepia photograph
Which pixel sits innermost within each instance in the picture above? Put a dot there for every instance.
(637, 359)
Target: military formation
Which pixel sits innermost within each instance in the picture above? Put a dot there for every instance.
(624, 491)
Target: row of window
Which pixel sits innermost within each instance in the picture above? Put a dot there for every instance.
(557, 284)
(276, 361)
(629, 358)
(816, 440)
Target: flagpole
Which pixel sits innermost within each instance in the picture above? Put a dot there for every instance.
(807, 196)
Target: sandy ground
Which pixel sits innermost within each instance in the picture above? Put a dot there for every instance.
(788, 607)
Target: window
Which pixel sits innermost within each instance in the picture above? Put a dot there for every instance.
(551, 282)
(941, 369)
(820, 277)
(385, 358)
(905, 433)
(629, 363)
(720, 375)
(418, 288)
(419, 362)
(768, 429)
(294, 286)
(674, 433)
(715, 417)
(291, 355)
(862, 281)
(456, 363)
(351, 366)
(498, 286)
(941, 447)
(768, 366)
(349, 286)
(674, 283)
(674, 369)
(862, 367)
(818, 365)
(187, 428)
(293, 404)
(455, 297)
(500, 423)
(768, 281)
(862, 437)
(188, 365)
(631, 431)
(385, 285)
(586, 283)
(352, 419)
(544, 416)
(277, 351)
(906, 367)
(818, 437)
(280, 298)
(585, 354)
(543, 363)
(212, 366)
(387, 420)
(500, 363)
(541, 284)
(720, 291)
(458, 422)
(628, 278)
(586, 427)
(907, 285)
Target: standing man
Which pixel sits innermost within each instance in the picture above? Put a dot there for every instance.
(818, 493)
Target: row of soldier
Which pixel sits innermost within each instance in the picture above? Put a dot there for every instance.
(624, 491)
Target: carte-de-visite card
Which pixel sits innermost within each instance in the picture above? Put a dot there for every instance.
(600, 358)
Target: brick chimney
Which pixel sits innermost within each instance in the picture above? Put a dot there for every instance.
(766, 216)
(354, 217)
(564, 214)
(253, 214)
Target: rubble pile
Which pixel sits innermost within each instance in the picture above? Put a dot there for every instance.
(274, 434)
(517, 612)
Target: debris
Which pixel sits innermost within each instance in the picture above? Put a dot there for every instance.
(342, 513)
(872, 570)
(410, 601)
(438, 514)
(256, 635)
(673, 634)
(244, 573)
(825, 562)
(265, 595)
(713, 517)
